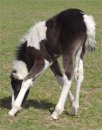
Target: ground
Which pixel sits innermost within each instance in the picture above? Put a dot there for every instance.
(16, 16)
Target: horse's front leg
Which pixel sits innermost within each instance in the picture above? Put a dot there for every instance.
(37, 69)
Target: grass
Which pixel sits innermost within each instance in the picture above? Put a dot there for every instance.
(16, 16)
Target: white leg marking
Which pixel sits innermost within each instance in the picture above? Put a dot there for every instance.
(60, 105)
(70, 97)
(61, 83)
(79, 79)
(25, 86)
(47, 64)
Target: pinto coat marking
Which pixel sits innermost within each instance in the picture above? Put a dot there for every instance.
(67, 34)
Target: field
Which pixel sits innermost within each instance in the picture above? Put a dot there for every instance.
(16, 16)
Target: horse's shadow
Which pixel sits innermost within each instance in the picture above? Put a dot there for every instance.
(5, 102)
(37, 104)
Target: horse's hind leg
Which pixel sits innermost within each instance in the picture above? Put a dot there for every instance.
(60, 78)
(68, 67)
(78, 80)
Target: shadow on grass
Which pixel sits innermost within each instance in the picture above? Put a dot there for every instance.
(38, 104)
(5, 102)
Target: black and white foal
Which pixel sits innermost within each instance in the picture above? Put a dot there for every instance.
(67, 34)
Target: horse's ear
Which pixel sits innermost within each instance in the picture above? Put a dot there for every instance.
(14, 76)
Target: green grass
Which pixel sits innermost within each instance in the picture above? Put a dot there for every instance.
(16, 16)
